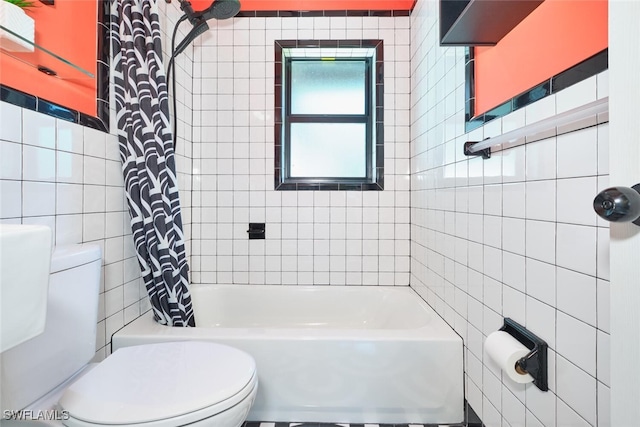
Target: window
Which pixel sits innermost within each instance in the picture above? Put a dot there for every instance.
(329, 131)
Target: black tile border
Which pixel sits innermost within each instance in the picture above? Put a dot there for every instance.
(101, 120)
(104, 64)
(321, 13)
(581, 71)
(103, 59)
(378, 185)
(54, 110)
(34, 103)
(471, 419)
(18, 98)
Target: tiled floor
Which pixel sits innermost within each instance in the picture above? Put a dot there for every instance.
(264, 424)
(471, 420)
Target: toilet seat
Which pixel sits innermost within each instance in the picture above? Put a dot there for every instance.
(164, 384)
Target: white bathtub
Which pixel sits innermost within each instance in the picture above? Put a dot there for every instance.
(330, 354)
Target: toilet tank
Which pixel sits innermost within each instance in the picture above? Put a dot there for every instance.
(35, 367)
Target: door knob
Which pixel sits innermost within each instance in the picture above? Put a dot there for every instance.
(619, 204)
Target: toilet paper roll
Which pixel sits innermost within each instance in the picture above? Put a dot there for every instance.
(505, 351)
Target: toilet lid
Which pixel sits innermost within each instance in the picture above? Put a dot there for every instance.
(153, 382)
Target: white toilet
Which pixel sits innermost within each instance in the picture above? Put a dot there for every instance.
(49, 377)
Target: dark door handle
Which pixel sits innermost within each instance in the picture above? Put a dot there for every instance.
(619, 204)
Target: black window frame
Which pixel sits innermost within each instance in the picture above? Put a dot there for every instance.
(366, 118)
(373, 117)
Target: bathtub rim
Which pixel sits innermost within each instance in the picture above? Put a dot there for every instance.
(435, 329)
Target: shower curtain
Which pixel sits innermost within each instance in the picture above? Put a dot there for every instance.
(148, 161)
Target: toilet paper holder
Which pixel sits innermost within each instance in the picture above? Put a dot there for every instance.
(535, 362)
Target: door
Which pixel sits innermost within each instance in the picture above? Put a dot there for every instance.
(624, 160)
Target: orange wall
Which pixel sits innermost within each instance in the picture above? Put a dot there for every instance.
(68, 29)
(556, 36)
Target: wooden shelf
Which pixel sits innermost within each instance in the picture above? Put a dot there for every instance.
(481, 22)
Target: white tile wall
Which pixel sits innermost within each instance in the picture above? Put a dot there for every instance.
(479, 240)
(527, 242)
(337, 238)
(52, 174)
(68, 177)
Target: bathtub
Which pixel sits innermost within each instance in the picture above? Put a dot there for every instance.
(329, 354)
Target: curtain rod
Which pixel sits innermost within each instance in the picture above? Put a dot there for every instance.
(483, 148)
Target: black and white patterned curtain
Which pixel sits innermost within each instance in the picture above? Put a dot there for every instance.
(148, 161)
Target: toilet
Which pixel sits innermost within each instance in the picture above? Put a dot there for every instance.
(49, 378)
